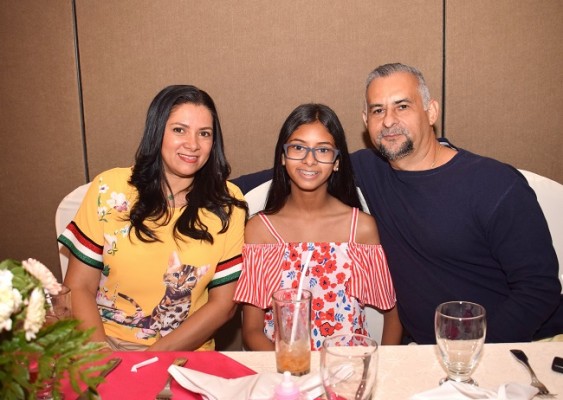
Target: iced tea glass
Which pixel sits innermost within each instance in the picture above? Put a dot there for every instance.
(292, 330)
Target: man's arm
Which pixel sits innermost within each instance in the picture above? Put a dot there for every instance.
(521, 241)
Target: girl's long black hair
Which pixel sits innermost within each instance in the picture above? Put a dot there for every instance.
(209, 188)
(341, 183)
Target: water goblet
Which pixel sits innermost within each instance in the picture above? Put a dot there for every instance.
(460, 328)
(58, 306)
(349, 367)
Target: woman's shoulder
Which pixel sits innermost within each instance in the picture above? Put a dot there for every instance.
(115, 180)
(115, 175)
(113, 186)
(234, 190)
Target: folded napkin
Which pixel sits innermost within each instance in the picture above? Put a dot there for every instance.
(455, 390)
(254, 387)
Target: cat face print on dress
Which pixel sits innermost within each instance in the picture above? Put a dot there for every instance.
(174, 307)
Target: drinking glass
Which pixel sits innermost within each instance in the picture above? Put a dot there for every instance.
(58, 306)
(292, 322)
(460, 328)
(349, 367)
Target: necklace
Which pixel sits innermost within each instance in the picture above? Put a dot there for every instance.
(436, 155)
(178, 201)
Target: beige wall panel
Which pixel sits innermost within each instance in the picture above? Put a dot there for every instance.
(504, 74)
(40, 142)
(257, 59)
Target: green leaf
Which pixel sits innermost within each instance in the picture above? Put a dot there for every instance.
(60, 350)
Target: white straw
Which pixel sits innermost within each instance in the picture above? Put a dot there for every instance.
(142, 364)
(304, 267)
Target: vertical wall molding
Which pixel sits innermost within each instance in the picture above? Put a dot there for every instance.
(80, 93)
(443, 114)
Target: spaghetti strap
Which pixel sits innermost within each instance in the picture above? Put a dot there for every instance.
(270, 227)
(353, 225)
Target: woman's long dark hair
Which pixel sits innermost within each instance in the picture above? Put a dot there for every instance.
(209, 187)
(341, 183)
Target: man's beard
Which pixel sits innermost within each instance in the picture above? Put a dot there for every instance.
(392, 155)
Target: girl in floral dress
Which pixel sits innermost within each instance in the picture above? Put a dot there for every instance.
(313, 207)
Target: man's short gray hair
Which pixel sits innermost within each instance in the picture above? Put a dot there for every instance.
(389, 69)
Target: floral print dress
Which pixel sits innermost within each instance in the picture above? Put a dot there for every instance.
(341, 276)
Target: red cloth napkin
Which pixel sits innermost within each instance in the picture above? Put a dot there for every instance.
(122, 384)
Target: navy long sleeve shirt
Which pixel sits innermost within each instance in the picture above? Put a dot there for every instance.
(472, 230)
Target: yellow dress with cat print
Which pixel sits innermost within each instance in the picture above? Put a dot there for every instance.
(147, 289)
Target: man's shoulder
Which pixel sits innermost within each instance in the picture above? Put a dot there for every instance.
(365, 157)
(249, 181)
(483, 178)
(486, 166)
(366, 154)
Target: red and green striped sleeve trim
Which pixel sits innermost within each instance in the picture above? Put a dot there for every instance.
(81, 246)
(227, 271)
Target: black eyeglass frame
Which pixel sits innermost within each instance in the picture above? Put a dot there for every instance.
(308, 150)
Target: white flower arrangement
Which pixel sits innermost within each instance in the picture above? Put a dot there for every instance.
(59, 349)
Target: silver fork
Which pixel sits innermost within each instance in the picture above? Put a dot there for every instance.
(166, 393)
(542, 390)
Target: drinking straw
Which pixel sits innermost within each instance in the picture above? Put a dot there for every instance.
(304, 267)
(135, 367)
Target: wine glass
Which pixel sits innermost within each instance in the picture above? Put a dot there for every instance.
(349, 367)
(460, 328)
(58, 306)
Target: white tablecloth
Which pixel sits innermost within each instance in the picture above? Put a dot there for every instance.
(407, 370)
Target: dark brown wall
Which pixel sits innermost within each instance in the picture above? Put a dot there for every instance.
(40, 135)
(258, 61)
(503, 74)
(504, 81)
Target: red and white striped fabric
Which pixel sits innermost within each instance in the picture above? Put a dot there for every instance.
(341, 276)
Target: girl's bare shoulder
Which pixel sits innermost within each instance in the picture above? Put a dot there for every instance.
(366, 231)
(256, 231)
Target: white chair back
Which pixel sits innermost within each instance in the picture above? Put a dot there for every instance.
(550, 197)
(256, 198)
(65, 213)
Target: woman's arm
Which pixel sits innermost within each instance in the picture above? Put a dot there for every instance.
(199, 327)
(392, 327)
(83, 282)
(253, 334)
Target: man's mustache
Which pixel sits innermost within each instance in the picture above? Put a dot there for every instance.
(393, 131)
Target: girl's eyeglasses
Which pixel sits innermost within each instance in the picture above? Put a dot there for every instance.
(323, 155)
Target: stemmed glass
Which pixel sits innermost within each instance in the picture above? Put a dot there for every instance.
(349, 367)
(460, 328)
(58, 308)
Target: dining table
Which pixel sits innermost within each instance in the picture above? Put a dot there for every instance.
(403, 371)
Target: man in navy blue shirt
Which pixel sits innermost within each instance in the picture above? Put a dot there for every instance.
(454, 225)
